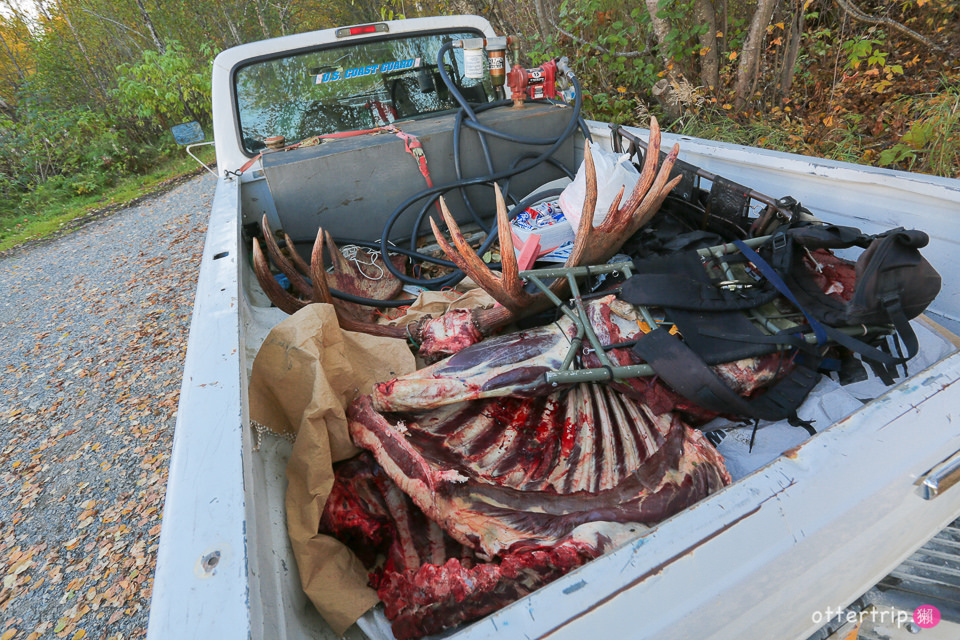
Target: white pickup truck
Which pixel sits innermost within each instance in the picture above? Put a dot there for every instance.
(773, 555)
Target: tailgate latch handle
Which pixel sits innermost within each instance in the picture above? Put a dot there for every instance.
(941, 477)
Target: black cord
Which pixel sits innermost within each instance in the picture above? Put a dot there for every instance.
(457, 275)
(467, 117)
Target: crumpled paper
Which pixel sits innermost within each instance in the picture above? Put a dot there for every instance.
(305, 375)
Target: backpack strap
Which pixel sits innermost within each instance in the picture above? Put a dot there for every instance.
(687, 374)
(823, 331)
(678, 281)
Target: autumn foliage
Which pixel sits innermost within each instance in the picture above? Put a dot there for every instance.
(89, 88)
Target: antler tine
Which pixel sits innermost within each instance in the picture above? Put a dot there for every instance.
(509, 270)
(596, 245)
(464, 257)
(340, 262)
(323, 294)
(298, 262)
(505, 287)
(585, 228)
(662, 187)
(278, 296)
(321, 290)
(297, 280)
(617, 216)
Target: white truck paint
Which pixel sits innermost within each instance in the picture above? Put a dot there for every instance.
(812, 530)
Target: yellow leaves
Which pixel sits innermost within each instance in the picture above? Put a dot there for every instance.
(728, 107)
(828, 121)
(621, 90)
(732, 56)
(79, 635)
(8, 634)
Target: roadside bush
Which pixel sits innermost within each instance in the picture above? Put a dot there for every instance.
(52, 152)
(931, 144)
(164, 89)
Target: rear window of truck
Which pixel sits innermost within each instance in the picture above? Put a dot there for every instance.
(355, 85)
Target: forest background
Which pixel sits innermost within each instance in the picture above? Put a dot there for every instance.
(90, 88)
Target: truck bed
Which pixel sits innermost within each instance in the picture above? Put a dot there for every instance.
(815, 528)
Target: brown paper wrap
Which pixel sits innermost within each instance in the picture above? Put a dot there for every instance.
(306, 373)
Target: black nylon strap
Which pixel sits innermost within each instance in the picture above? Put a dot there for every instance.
(679, 281)
(675, 291)
(689, 376)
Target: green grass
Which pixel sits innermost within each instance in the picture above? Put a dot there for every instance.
(18, 227)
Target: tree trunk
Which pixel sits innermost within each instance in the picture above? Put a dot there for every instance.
(83, 51)
(750, 55)
(793, 51)
(263, 24)
(230, 25)
(7, 109)
(709, 58)
(660, 30)
(283, 9)
(12, 58)
(161, 47)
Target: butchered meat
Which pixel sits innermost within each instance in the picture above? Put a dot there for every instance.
(490, 482)
(429, 582)
(502, 475)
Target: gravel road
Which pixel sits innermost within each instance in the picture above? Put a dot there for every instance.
(93, 332)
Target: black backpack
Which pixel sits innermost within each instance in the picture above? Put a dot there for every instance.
(893, 284)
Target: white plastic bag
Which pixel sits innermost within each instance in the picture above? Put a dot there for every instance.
(613, 171)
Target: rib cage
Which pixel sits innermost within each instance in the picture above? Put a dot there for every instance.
(587, 438)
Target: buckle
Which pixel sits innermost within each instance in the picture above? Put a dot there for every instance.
(734, 285)
(779, 241)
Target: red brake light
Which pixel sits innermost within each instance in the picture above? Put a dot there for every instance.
(379, 27)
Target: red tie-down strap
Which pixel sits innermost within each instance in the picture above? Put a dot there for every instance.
(415, 148)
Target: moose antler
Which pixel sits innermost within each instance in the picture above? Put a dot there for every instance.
(593, 245)
(303, 277)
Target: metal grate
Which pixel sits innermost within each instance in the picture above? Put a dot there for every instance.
(933, 571)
